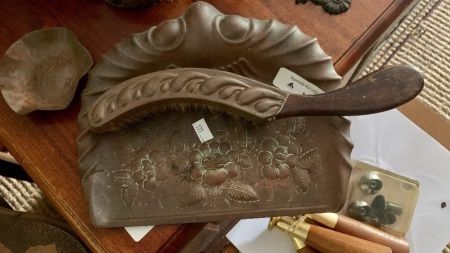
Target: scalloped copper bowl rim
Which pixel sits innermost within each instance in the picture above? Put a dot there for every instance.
(43, 68)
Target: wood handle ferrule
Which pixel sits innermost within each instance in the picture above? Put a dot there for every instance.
(329, 220)
(301, 247)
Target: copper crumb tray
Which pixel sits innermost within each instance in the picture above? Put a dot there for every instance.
(156, 171)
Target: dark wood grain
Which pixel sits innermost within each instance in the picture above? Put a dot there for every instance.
(44, 143)
(376, 92)
(381, 26)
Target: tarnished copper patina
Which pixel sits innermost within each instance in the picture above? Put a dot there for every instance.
(157, 171)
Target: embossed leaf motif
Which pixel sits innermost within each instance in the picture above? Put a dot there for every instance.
(176, 144)
(301, 179)
(123, 177)
(246, 138)
(194, 195)
(309, 159)
(295, 126)
(245, 162)
(125, 140)
(220, 135)
(241, 192)
(129, 194)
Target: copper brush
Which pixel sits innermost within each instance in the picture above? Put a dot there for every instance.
(177, 89)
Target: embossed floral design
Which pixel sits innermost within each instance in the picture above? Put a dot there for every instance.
(281, 159)
(214, 163)
(214, 167)
(145, 171)
(150, 170)
(277, 157)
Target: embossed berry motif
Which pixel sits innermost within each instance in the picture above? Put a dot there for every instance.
(214, 163)
(281, 161)
(276, 157)
(150, 171)
(213, 166)
(146, 171)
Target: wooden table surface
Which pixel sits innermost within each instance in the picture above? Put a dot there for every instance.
(44, 142)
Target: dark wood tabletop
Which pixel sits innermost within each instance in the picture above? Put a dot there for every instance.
(44, 142)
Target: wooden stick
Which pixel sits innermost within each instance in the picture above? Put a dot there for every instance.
(326, 240)
(361, 230)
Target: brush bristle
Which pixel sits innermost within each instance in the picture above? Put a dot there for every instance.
(118, 124)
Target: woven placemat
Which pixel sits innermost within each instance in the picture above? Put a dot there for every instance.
(422, 40)
(26, 197)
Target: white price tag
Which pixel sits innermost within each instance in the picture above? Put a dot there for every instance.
(293, 83)
(137, 233)
(202, 130)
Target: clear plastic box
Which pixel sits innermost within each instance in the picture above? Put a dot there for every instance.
(381, 198)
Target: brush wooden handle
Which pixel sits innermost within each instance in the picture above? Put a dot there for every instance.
(376, 92)
(128, 101)
(361, 230)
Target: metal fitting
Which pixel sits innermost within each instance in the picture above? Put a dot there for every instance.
(371, 183)
(381, 206)
(385, 212)
(387, 219)
(360, 210)
(292, 226)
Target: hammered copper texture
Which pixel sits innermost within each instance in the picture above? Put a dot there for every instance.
(41, 70)
(157, 171)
